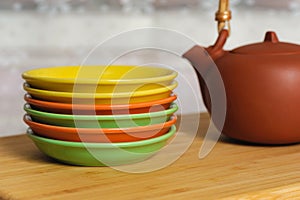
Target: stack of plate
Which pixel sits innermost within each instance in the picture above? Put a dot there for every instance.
(96, 115)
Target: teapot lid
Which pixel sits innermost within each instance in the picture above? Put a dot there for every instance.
(270, 46)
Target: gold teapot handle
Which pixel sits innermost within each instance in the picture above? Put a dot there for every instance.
(223, 16)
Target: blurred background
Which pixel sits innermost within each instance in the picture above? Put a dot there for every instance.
(41, 33)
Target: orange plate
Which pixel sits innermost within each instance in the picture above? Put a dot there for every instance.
(100, 135)
(64, 108)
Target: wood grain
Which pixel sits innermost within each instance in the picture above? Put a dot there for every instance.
(232, 170)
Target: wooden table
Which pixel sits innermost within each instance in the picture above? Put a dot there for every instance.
(231, 171)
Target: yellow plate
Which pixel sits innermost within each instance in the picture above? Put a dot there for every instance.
(102, 98)
(100, 79)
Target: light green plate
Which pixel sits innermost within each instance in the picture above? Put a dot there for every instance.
(100, 154)
(101, 121)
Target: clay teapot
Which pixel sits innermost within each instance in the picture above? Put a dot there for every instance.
(262, 87)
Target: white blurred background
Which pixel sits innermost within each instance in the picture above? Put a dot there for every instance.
(41, 33)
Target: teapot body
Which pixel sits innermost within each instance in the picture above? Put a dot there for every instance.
(262, 87)
(263, 97)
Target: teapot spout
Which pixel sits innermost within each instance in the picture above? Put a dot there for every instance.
(202, 60)
(200, 57)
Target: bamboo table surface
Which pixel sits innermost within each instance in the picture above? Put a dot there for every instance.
(231, 171)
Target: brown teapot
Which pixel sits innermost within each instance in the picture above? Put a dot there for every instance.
(262, 87)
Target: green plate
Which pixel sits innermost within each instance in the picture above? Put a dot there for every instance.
(100, 154)
(101, 121)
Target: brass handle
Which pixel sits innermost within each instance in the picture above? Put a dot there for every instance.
(223, 16)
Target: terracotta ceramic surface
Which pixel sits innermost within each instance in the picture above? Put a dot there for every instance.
(261, 82)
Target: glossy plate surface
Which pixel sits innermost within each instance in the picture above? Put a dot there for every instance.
(102, 79)
(64, 108)
(100, 154)
(100, 135)
(102, 98)
(101, 121)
